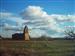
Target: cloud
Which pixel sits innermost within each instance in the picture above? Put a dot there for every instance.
(37, 15)
(63, 18)
(34, 11)
(39, 19)
(12, 17)
(37, 33)
(5, 14)
(11, 23)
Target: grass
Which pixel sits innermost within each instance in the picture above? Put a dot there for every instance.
(38, 48)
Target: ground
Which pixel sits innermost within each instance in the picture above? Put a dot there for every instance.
(37, 48)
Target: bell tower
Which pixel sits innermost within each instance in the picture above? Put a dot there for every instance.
(26, 33)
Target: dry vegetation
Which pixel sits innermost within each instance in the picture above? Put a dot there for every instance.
(37, 48)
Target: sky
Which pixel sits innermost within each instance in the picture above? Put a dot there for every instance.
(43, 17)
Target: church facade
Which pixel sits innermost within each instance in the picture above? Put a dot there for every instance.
(22, 36)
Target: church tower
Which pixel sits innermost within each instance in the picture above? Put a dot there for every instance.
(26, 33)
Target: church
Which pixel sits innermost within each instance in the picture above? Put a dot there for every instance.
(22, 36)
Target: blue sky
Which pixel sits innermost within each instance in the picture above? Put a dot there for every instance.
(51, 16)
(51, 6)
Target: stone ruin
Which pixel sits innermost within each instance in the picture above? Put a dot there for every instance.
(26, 33)
(22, 36)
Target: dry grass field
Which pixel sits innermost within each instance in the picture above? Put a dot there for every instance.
(37, 48)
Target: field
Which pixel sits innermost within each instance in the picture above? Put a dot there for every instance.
(37, 48)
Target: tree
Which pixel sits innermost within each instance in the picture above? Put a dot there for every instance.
(44, 37)
(70, 33)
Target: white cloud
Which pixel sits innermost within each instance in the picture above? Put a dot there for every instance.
(34, 11)
(11, 23)
(37, 33)
(37, 15)
(5, 14)
(11, 16)
(63, 18)
(40, 19)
